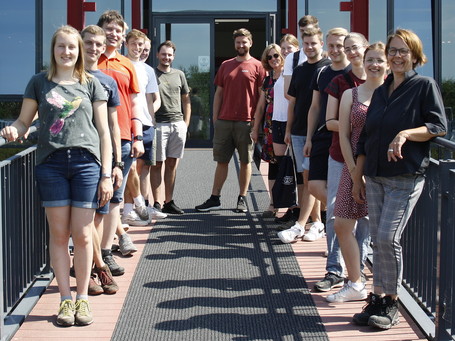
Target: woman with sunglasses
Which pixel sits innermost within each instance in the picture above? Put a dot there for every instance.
(273, 105)
(405, 113)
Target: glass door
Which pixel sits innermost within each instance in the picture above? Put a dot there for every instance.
(202, 44)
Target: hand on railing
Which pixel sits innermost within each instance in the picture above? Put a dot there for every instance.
(9, 134)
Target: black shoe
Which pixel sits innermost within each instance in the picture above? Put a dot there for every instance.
(212, 203)
(157, 206)
(241, 204)
(329, 281)
(171, 208)
(388, 316)
(116, 270)
(373, 307)
(285, 218)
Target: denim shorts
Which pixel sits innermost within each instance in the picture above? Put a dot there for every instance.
(301, 162)
(117, 197)
(69, 177)
(149, 155)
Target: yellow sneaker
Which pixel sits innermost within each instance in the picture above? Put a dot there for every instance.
(83, 314)
(65, 317)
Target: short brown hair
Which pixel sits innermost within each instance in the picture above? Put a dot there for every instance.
(378, 46)
(308, 20)
(313, 31)
(242, 32)
(135, 34)
(95, 30)
(167, 43)
(413, 42)
(111, 16)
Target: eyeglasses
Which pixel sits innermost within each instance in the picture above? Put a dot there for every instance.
(393, 51)
(276, 55)
(353, 48)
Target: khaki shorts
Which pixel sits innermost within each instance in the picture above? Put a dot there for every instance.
(229, 136)
(170, 140)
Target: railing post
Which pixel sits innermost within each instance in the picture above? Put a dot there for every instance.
(2, 275)
(444, 306)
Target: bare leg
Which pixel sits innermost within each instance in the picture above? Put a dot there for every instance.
(110, 225)
(349, 247)
(156, 180)
(221, 173)
(81, 231)
(97, 234)
(318, 188)
(59, 234)
(170, 172)
(307, 204)
(144, 177)
(244, 177)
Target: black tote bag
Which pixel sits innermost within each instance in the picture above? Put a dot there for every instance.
(284, 190)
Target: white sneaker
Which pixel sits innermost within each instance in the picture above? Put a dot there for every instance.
(348, 293)
(142, 212)
(133, 219)
(155, 214)
(315, 232)
(292, 234)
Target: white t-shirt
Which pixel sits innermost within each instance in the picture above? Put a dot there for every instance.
(147, 84)
(288, 62)
(280, 103)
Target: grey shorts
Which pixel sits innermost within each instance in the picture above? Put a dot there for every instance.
(229, 136)
(170, 140)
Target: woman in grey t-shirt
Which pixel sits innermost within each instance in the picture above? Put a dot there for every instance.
(73, 169)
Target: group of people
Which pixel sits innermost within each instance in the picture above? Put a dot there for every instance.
(357, 118)
(108, 125)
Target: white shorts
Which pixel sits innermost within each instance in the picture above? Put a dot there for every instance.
(170, 140)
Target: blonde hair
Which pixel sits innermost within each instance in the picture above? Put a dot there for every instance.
(357, 36)
(265, 61)
(95, 30)
(337, 31)
(79, 68)
(378, 46)
(291, 39)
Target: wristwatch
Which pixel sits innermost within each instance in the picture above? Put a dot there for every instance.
(106, 175)
(120, 165)
(138, 138)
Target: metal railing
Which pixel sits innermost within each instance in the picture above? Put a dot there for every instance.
(24, 259)
(429, 252)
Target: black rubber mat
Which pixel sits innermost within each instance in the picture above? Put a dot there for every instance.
(218, 275)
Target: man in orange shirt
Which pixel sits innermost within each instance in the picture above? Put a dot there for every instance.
(122, 70)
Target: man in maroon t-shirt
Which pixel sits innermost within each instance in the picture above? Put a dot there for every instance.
(238, 84)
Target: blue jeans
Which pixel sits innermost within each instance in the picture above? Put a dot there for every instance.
(69, 177)
(117, 197)
(362, 234)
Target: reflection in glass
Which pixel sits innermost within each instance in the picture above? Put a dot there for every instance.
(54, 16)
(329, 15)
(192, 56)
(448, 51)
(17, 34)
(378, 21)
(418, 19)
(204, 5)
(91, 18)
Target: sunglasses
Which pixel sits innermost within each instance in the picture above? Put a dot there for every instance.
(276, 55)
